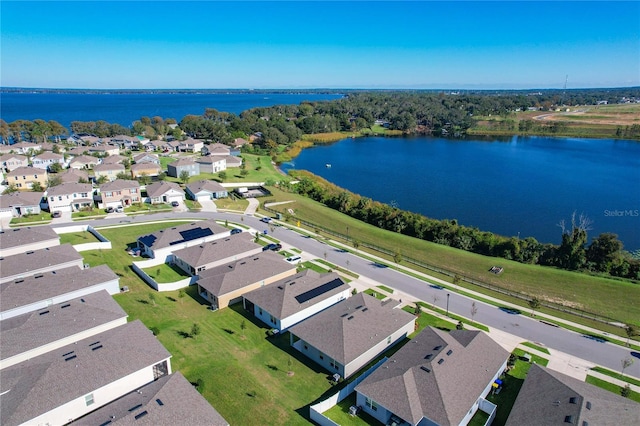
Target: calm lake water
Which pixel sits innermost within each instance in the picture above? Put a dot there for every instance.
(124, 109)
(519, 186)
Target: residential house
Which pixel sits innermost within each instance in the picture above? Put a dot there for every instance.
(176, 168)
(169, 400)
(348, 335)
(159, 145)
(26, 148)
(438, 378)
(162, 243)
(10, 162)
(23, 178)
(191, 145)
(233, 161)
(173, 145)
(206, 189)
(125, 142)
(84, 162)
(58, 285)
(146, 157)
(90, 139)
(20, 203)
(217, 149)
(211, 164)
(548, 397)
(287, 302)
(20, 240)
(104, 150)
(145, 169)
(197, 258)
(70, 197)
(109, 171)
(119, 192)
(164, 192)
(72, 176)
(114, 159)
(78, 150)
(63, 385)
(34, 333)
(240, 142)
(35, 262)
(47, 159)
(142, 141)
(224, 285)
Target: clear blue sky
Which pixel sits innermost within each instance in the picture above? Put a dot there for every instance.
(329, 44)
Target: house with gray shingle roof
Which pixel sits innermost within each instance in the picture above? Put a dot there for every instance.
(348, 335)
(161, 244)
(145, 169)
(70, 197)
(146, 157)
(113, 159)
(206, 189)
(233, 161)
(176, 168)
(84, 162)
(224, 285)
(72, 176)
(20, 203)
(548, 397)
(120, 192)
(34, 333)
(170, 400)
(47, 159)
(109, 171)
(37, 291)
(197, 258)
(437, 378)
(34, 262)
(211, 164)
(164, 192)
(65, 384)
(10, 162)
(288, 301)
(20, 240)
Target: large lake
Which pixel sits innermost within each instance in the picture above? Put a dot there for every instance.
(519, 186)
(124, 109)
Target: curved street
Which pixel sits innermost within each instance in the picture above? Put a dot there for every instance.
(529, 329)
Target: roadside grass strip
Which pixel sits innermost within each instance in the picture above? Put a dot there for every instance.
(376, 294)
(385, 288)
(455, 317)
(617, 375)
(338, 268)
(611, 387)
(536, 347)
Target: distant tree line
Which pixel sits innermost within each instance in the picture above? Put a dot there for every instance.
(605, 254)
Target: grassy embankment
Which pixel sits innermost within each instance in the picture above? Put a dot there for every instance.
(601, 121)
(605, 296)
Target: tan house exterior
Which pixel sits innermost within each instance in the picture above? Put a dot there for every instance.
(120, 193)
(84, 162)
(23, 178)
(109, 171)
(145, 169)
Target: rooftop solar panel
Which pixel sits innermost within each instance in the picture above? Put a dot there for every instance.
(315, 292)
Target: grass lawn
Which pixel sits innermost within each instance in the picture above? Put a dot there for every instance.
(314, 267)
(605, 296)
(232, 203)
(340, 414)
(94, 212)
(611, 387)
(192, 205)
(426, 319)
(78, 238)
(31, 218)
(536, 347)
(385, 288)
(146, 207)
(617, 375)
(376, 294)
(166, 273)
(337, 268)
(455, 317)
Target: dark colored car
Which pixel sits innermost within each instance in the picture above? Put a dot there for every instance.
(57, 213)
(175, 204)
(110, 210)
(236, 231)
(273, 247)
(266, 219)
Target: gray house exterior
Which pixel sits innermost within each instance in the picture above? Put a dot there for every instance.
(176, 168)
(206, 189)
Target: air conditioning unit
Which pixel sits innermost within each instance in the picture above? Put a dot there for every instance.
(87, 266)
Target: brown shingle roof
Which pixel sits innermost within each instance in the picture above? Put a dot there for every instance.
(24, 264)
(217, 250)
(414, 383)
(20, 199)
(70, 188)
(350, 328)
(119, 184)
(281, 299)
(43, 383)
(16, 237)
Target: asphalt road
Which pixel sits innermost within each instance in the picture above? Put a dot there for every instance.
(601, 353)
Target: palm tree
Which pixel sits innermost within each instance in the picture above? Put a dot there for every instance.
(534, 304)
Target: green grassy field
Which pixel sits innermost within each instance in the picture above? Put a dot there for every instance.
(608, 297)
(611, 387)
(166, 273)
(78, 238)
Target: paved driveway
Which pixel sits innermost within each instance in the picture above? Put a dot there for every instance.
(208, 206)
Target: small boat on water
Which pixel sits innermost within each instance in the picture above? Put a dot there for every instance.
(328, 165)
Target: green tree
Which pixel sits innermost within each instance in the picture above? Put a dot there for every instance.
(195, 330)
(152, 298)
(571, 253)
(36, 187)
(605, 253)
(144, 179)
(625, 391)
(626, 363)
(534, 304)
(397, 257)
(55, 168)
(243, 327)
(631, 331)
(459, 326)
(222, 175)
(184, 177)
(54, 180)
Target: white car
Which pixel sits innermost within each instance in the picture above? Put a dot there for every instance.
(119, 209)
(293, 259)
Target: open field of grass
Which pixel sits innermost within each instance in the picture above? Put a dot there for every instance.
(604, 296)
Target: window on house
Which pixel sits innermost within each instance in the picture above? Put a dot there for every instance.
(389, 340)
(160, 369)
(259, 311)
(59, 197)
(371, 404)
(88, 399)
(273, 319)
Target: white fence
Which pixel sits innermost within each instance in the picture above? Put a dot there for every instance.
(103, 244)
(176, 285)
(315, 411)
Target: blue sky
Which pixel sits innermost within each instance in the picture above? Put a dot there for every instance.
(328, 44)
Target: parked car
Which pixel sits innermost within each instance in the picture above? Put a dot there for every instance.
(175, 204)
(57, 213)
(274, 247)
(266, 219)
(110, 210)
(236, 231)
(293, 259)
(119, 209)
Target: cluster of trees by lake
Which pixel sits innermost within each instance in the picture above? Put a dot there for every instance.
(604, 254)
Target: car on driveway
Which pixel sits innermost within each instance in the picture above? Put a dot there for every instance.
(236, 231)
(119, 209)
(293, 259)
(110, 210)
(56, 214)
(274, 247)
(175, 204)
